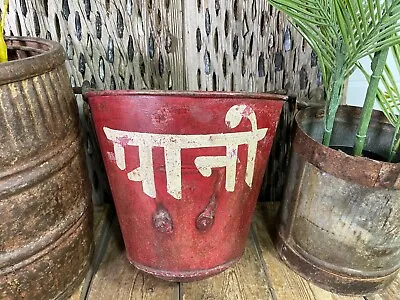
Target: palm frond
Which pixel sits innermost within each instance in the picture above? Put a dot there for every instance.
(389, 97)
(379, 26)
(364, 26)
(396, 55)
(358, 28)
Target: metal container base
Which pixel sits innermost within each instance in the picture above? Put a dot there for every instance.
(185, 276)
(339, 283)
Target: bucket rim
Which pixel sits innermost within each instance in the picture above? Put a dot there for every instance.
(364, 171)
(48, 55)
(188, 93)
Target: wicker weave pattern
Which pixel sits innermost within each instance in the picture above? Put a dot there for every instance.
(240, 45)
(168, 44)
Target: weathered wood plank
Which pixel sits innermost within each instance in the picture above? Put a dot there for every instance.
(99, 220)
(392, 292)
(260, 274)
(77, 293)
(245, 280)
(118, 279)
(286, 284)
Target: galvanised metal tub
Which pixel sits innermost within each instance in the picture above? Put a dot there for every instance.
(340, 216)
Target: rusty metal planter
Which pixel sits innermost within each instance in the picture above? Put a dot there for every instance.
(45, 207)
(340, 216)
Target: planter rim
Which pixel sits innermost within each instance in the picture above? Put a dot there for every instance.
(194, 94)
(361, 170)
(49, 55)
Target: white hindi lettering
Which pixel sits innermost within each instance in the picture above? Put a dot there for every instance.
(173, 144)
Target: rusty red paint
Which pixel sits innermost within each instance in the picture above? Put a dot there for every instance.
(200, 229)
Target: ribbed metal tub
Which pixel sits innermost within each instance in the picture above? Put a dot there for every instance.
(45, 206)
(340, 216)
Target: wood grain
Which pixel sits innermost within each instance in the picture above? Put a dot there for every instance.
(77, 294)
(260, 274)
(117, 279)
(100, 215)
(244, 280)
(392, 292)
(286, 284)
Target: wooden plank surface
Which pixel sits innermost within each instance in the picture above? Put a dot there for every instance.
(260, 274)
(245, 280)
(117, 279)
(286, 284)
(99, 219)
(392, 292)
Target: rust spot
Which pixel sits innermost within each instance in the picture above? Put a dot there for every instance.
(162, 220)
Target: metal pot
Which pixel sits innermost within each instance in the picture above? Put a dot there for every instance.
(45, 204)
(185, 170)
(340, 217)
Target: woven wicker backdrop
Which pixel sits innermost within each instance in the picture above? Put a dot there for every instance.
(230, 45)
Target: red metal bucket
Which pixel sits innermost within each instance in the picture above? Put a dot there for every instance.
(185, 170)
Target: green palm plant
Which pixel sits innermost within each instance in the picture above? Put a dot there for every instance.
(389, 98)
(341, 32)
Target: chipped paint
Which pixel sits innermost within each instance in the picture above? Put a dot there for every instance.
(173, 143)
